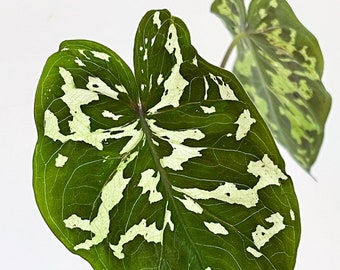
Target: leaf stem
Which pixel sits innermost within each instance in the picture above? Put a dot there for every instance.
(232, 45)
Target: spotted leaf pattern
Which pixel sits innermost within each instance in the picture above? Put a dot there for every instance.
(280, 65)
(171, 167)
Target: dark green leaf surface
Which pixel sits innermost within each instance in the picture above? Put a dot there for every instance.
(170, 168)
(280, 64)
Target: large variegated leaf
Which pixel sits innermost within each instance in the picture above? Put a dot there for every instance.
(280, 65)
(170, 168)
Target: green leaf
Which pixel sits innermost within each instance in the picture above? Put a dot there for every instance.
(170, 168)
(280, 65)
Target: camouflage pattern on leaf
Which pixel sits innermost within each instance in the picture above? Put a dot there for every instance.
(233, 13)
(280, 65)
(168, 168)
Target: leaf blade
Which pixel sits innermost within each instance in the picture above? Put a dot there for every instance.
(156, 194)
(280, 63)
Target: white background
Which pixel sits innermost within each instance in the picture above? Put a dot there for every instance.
(32, 30)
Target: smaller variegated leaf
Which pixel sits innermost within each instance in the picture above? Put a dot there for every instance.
(168, 168)
(280, 65)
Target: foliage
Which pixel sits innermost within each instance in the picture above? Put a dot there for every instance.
(280, 65)
(167, 167)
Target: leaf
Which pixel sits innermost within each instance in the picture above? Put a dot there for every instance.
(170, 168)
(280, 65)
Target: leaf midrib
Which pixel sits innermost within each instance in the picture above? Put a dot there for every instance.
(164, 178)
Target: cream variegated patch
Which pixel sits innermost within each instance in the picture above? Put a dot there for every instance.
(101, 55)
(96, 85)
(244, 123)
(79, 62)
(208, 110)
(181, 153)
(149, 181)
(156, 19)
(60, 160)
(191, 205)
(265, 169)
(206, 88)
(216, 228)
(80, 125)
(226, 92)
(111, 115)
(111, 195)
(149, 232)
(262, 235)
(174, 85)
(254, 252)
